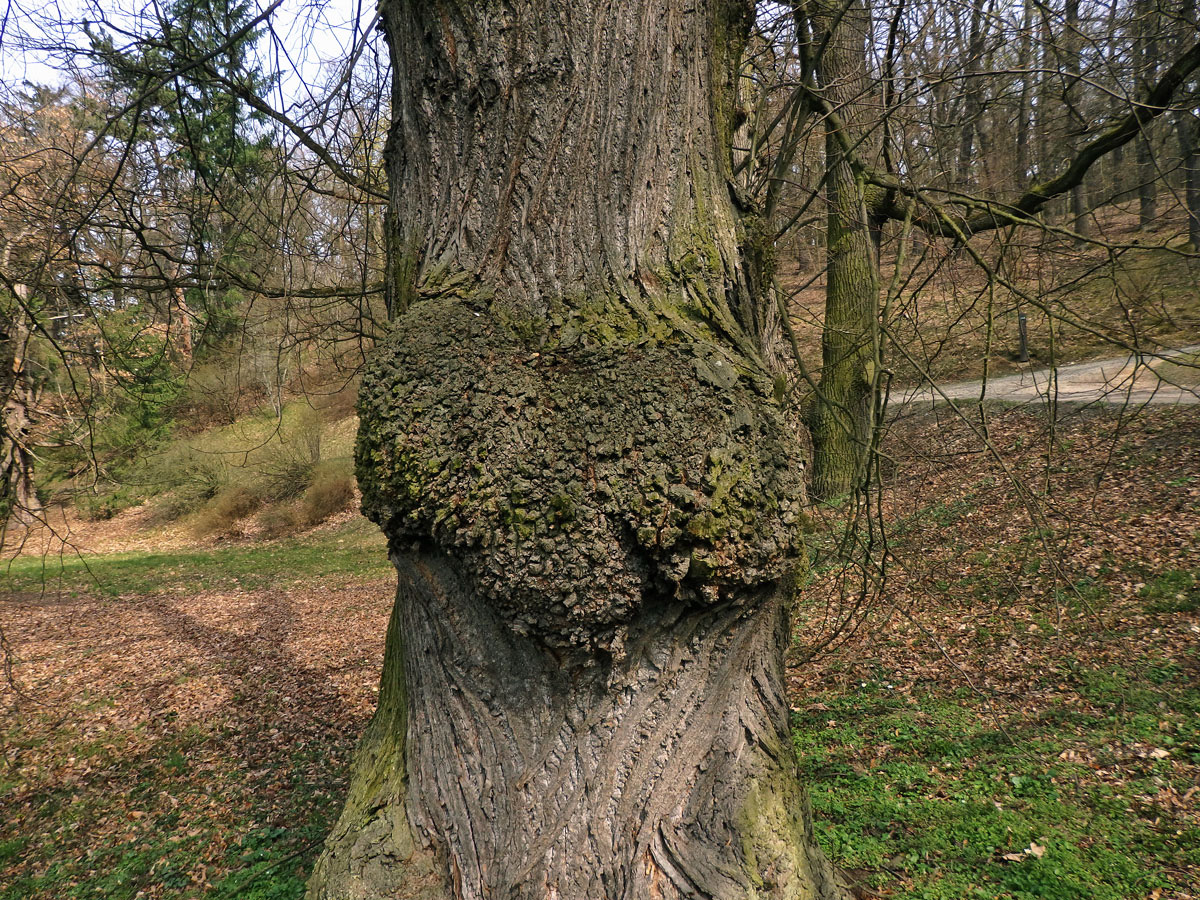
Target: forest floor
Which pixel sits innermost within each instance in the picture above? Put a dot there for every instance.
(1015, 714)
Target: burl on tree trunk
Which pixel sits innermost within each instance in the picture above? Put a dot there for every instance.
(591, 496)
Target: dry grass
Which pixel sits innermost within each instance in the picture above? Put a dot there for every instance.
(329, 494)
(221, 514)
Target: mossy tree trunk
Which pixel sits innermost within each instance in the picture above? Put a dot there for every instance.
(842, 415)
(591, 497)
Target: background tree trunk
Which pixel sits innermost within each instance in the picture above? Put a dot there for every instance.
(1187, 129)
(841, 416)
(18, 402)
(591, 497)
(1074, 94)
(972, 96)
(1146, 72)
(1192, 188)
(1021, 170)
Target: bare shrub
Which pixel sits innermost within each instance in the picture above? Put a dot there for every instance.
(215, 392)
(278, 520)
(330, 493)
(225, 509)
(287, 469)
(192, 478)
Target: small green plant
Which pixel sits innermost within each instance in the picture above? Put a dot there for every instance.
(95, 505)
(1174, 591)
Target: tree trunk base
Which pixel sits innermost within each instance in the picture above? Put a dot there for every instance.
(662, 771)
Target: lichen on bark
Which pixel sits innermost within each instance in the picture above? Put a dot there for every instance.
(572, 483)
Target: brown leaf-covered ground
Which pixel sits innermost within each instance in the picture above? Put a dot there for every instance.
(180, 742)
(1030, 673)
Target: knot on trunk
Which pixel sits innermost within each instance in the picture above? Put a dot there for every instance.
(571, 485)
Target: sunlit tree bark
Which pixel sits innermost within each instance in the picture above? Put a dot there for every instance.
(591, 496)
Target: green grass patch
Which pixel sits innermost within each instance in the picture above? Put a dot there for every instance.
(356, 551)
(926, 792)
(1173, 591)
(1183, 370)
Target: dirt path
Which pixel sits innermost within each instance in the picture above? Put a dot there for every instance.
(1167, 378)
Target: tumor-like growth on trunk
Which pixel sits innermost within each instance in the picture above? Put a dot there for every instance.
(583, 696)
(572, 483)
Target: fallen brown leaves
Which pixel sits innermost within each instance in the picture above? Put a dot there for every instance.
(1029, 602)
(203, 711)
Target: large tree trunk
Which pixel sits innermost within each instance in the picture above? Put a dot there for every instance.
(842, 415)
(591, 498)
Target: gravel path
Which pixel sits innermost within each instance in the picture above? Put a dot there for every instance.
(1148, 379)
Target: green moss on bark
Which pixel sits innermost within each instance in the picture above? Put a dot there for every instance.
(571, 484)
(371, 851)
(781, 859)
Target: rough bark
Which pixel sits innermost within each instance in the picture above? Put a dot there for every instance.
(18, 402)
(591, 496)
(841, 416)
